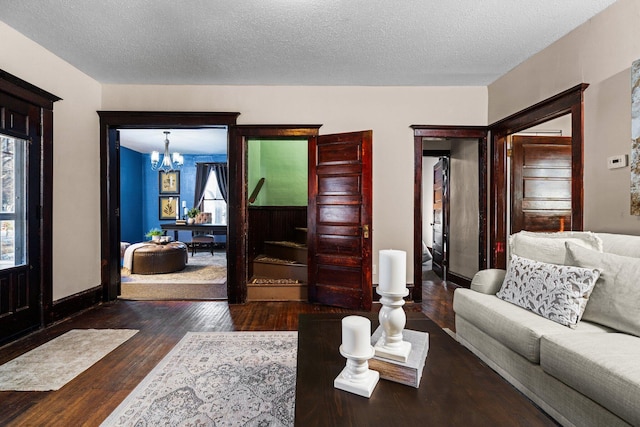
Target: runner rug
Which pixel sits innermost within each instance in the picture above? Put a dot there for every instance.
(215, 379)
(55, 363)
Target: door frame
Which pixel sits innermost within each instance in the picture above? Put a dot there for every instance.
(237, 242)
(40, 206)
(571, 101)
(450, 132)
(110, 176)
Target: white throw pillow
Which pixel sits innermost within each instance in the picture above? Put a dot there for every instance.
(557, 292)
(615, 301)
(549, 247)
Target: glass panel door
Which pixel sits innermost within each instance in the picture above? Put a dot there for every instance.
(13, 211)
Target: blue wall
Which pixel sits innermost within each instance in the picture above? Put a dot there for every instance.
(142, 207)
(131, 188)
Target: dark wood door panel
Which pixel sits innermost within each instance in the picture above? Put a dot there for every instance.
(339, 213)
(340, 152)
(540, 188)
(339, 185)
(541, 184)
(339, 245)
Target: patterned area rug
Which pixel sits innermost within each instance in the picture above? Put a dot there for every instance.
(52, 365)
(217, 379)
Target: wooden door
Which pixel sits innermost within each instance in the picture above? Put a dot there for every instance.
(20, 249)
(440, 235)
(540, 183)
(339, 220)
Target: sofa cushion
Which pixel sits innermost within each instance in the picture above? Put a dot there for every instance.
(620, 244)
(602, 366)
(549, 247)
(488, 281)
(557, 292)
(615, 301)
(516, 328)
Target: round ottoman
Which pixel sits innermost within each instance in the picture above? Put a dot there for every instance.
(160, 258)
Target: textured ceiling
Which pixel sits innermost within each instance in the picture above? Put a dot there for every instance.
(297, 42)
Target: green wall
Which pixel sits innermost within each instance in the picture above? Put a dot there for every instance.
(283, 165)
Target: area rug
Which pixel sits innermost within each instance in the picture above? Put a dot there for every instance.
(204, 278)
(217, 379)
(201, 268)
(55, 363)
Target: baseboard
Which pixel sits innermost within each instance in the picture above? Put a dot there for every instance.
(73, 304)
(458, 280)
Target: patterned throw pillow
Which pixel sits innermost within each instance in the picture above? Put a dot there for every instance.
(557, 292)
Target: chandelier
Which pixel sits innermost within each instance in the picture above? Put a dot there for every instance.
(169, 161)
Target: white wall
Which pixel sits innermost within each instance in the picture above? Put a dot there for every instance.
(388, 111)
(464, 208)
(76, 159)
(600, 53)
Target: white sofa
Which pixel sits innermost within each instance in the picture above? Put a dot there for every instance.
(583, 376)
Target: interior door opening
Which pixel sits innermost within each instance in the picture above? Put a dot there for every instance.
(461, 225)
(173, 213)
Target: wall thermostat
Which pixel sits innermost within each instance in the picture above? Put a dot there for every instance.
(615, 162)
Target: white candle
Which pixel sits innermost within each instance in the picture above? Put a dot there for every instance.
(393, 271)
(184, 204)
(356, 335)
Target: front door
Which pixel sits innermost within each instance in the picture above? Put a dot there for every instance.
(541, 183)
(439, 246)
(339, 220)
(20, 261)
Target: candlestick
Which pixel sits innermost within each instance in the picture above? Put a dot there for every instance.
(356, 377)
(393, 271)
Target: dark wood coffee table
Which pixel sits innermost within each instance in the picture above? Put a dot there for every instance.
(456, 387)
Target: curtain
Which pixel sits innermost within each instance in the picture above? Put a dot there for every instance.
(222, 174)
(202, 175)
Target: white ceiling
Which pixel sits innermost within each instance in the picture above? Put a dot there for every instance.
(183, 141)
(297, 42)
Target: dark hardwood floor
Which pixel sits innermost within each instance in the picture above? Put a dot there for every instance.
(93, 395)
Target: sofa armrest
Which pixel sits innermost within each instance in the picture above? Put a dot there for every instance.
(488, 281)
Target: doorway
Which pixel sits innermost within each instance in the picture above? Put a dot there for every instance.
(26, 176)
(568, 104)
(110, 122)
(463, 204)
(196, 158)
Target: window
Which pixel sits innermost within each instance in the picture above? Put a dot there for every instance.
(213, 201)
(13, 218)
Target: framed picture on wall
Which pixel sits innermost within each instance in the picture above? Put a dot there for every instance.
(169, 182)
(168, 207)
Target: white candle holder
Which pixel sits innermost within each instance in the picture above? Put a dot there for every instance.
(356, 377)
(392, 320)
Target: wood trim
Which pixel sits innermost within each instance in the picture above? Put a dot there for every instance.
(42, 102)
(110, 179)
(467, 132)
(568, 101)
(465, 282)
(26, 91)
(237, 242)
(73, 304)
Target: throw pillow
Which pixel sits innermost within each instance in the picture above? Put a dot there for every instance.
(549, 247)
(615, 301)
(557, 292)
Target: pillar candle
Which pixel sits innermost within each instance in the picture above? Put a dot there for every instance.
(356, 335)
(184, 204)
(393, 271)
